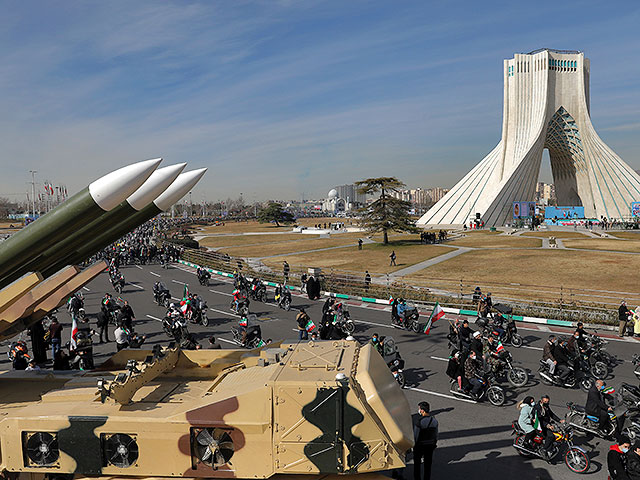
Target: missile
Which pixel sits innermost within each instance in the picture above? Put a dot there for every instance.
(178, 189)
(157, 183)
(102, 195)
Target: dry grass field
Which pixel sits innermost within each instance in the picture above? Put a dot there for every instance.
(630, 235)
(571, 269)
(554, 233)
(605, 244)
(491, 240)
(241, 240)
(373, 257)
(287, 247)
(254, 226)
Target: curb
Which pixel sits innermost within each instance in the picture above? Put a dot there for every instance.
(455, 311)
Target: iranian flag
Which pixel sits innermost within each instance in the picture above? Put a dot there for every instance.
(536, 422)
(310, 326)
(184, 304)
(243, 322)
(390, 300)
(261, 343)
(436, 314)
(73, 343)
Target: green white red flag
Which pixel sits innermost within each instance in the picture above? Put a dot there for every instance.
(436, 315)
(310, 326)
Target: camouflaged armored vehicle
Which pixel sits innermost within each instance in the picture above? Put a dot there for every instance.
(311, 408)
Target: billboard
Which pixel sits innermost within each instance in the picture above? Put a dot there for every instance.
(564, 213)
(524, 209)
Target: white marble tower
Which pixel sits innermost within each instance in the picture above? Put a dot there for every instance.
(546, 105)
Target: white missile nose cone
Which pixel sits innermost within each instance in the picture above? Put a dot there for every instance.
(179, 188)
(111, 189)
(155, 185)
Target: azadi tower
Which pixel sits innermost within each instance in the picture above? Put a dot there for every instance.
(546, 105)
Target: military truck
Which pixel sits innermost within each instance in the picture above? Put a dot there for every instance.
(315, 408)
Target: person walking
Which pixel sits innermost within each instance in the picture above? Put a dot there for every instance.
(285, 271)
(633, 462)
(359, 244)
(425, 431)
(367, 281)
(302, 318)
(392, 263)
(623, 317)
(55, 336)
(103, 325)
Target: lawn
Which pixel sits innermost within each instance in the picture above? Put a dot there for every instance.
(574, 269)
(554, 233)
(373, 257)
(239, 240)
(288, 247)
(605, 244)
(492, 240)
(631, 235)
(255, 226)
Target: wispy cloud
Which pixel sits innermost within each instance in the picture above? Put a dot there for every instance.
(283, 97)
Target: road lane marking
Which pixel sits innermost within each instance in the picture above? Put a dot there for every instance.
(177, 281)
(85, 288)
(531, 348)
(138, 266)
(224, 313)
(154, 318)
(221, 293)
(155, 274)
(227, 341)
(437, 394)
(440, 358)
(134, 285)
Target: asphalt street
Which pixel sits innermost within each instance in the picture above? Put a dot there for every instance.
(475, 439)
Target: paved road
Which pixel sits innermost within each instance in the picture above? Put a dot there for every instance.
(471, 434)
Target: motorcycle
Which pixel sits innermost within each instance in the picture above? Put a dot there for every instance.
(408, 320)
(175, 326)
(581, 378)
(199, 315)
(342, 319)
(241, 308)
(283, 298)
(393, 359)
(575, 458)
(577, 417)
(203, 278)
(636, 365)
(517, 376)
(18, 348)
(82, 356)
(253, 338)
(493, 393)
(488, 324)
(258, 292)
(118, 283)
(162, 298)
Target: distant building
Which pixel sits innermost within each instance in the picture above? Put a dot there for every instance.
(546, 193)
(344, 198)
(436, 193)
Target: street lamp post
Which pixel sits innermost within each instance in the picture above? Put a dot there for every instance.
(33, 192)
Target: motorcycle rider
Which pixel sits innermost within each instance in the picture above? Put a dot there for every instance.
(394, 311)
(476, 343)
(560, 355)
(158, 289)
(497, 323)
(617, 459)
(527, 418)
(377, 343)
(401, 308)
(547, 354)
(328, 305)
(75, 303)
(491, 352)
(238, 297)
(455, 369)
(596, 406)
(546, 417)
(472, 373)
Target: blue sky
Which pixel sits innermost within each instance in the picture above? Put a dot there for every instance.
(278, 98)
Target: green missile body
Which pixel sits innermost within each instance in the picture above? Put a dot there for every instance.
(178, 189)
(154, 186)
(101, 196)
